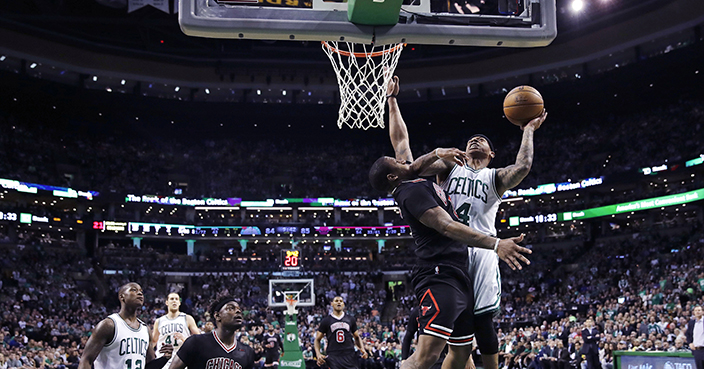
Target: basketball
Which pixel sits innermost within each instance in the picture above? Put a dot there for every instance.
(522, 104)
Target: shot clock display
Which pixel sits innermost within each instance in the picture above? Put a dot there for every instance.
(291, 260)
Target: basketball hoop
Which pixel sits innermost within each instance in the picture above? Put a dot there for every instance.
(362, 76)
(291, 302)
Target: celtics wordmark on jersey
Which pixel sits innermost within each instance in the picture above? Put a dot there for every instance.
(128, 347)
(473, 193)
(168, 329)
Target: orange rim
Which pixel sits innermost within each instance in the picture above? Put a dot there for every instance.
(363, 55)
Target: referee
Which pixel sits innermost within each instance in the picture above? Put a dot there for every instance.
(695, 336)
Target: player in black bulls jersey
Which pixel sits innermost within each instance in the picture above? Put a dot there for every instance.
(218, 349)
(340, 331)
(272, 347)
(440, 278)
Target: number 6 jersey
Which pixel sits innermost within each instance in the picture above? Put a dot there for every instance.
(338, 332)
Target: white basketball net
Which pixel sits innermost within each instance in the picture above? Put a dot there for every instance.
(362, 77)
(291, 300)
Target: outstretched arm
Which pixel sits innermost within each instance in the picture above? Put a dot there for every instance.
(512, 175)
(437, 160)
(398, 132)
(507, 249)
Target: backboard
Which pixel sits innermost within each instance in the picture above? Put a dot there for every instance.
(280, 288)
(508, 23)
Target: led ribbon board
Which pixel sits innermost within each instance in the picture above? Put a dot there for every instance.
(639, 205)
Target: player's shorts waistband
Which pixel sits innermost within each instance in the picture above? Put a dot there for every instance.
(450, 274)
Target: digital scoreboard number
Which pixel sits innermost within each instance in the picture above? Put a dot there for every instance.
(291, 260)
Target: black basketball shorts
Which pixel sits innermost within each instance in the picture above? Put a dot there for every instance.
(271, 357)
(342, 360)
(446, 303)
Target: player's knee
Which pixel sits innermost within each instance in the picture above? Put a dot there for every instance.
(485, 334)
(428, 350)
(431, 358)
(460, 353)
(430, 355)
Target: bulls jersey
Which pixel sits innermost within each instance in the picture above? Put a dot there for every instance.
(207, 351)
(338, 332)
(474, 195)
(432, 248)
(272, 339)
(127, 349)
(168, 329)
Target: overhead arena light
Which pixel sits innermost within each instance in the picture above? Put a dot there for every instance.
(577, 5)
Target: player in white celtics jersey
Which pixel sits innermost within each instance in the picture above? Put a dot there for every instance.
(174, 327)
(122, 341)
(475, 192)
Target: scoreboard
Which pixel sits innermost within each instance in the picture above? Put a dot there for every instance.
(291, 260)
(184, 230)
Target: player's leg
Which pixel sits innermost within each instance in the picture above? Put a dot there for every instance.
(470, 363)
(487, 340)
(427, 352)
(271, 359)
(443, 295)
(461, 343)
(484, 269)
(457, 357)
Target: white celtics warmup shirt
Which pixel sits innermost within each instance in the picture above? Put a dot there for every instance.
(476, 200)
(128, 348)
(167, 330)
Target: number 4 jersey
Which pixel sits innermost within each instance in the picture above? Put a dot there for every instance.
(167, 332)
(473, 192)
(338, 332)
(476, 200)
(127, 349)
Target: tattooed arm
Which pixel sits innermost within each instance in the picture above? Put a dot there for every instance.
(512, 175)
